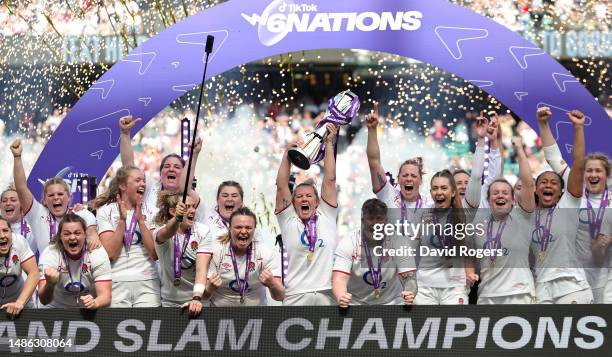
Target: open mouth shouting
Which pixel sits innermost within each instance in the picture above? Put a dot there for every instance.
(141, 190)
(409, 187)
(4, 244)
(500, 202)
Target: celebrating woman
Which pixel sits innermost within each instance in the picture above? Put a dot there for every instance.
(10, 208)
(71, 274)
(560, 279)
(505, 274)
(241, 268)
(177, 244)
(592, 206)
(43, 218)
(124, 222)
(16, 256)
(308, 227)
(363, 277)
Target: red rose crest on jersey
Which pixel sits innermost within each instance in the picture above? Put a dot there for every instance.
(252, 266)
(460, 301)
(194, 246)
(15, 259)
(85, 268)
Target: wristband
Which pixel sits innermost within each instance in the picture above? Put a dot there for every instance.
(196, 298)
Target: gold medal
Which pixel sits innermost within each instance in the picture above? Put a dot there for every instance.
(377, 293)
(310, 256)
(242, 299)
(541, 256)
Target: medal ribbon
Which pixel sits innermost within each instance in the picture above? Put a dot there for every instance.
(311, 232)
(544, 240)
(24, 227)
(495, 243)
(419, 203)
(178, 252)
(376, 274)
(595, 219)
(129, 232)
(241, 287)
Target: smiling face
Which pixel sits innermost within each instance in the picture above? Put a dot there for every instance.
(548, 189)
(242, 229)
(10, 206)
(442, 192)
(461, 180)
(228, 201)
(171, 173)
(134, 188)
(500, 198)
(73, 239)
(57, 199)
(305, 201)
(409, 181)
(6, 237)
(595, 176)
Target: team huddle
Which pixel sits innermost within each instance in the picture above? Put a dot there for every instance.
(146, 246)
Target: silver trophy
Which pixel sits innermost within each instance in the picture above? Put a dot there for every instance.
(341, 109)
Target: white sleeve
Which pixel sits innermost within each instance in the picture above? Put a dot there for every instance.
(555, 159)
(48, 258)
(101, 267)
(283, 216)
(328, 210)
(472, 193)
(23, 247)
(271, 260)
(103, 219)
(568, 200)
(343, 256)
(90, 219)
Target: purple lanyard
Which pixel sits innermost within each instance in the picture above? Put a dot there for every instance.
(129, 232)
(545, 238)
(376, 274)
(52, 226)
(83, 254)
(311, 232)
(495, 243)
(419, 203)
(223, 220)
(24, 227)
(442, 238)
(241, 287)
(178, 253)
(596, 218)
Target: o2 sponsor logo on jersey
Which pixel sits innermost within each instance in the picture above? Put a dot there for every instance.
(8, 280)
(319, 244)
(367, 278)
(538, 234)
(226, 266)
(489, 246)
(283, 16)
(236, 288)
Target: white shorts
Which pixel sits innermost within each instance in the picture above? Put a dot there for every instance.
(607, 294)
(136, 293)
(312, 298)
(598, 295)
(564, 291)
(517, 299)
(441, 296)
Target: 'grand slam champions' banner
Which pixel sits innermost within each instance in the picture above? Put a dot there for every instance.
(569, 330)
(490, 56)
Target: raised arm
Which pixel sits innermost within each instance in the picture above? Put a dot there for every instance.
(171, 227)
(576, 175)
(526, 198)
(196, 153)
(549, 144)
(126, 124)
(328, 190)
(283, 194)
(377, 172)
(21, 184)
(473, 190)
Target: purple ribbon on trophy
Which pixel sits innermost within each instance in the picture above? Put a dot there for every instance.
(341, 109)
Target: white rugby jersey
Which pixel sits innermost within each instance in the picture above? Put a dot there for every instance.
(11, 274)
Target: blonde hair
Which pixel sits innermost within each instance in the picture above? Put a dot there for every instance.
(55, 181)
(110, 195)
(165, 201)
(601, 157)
